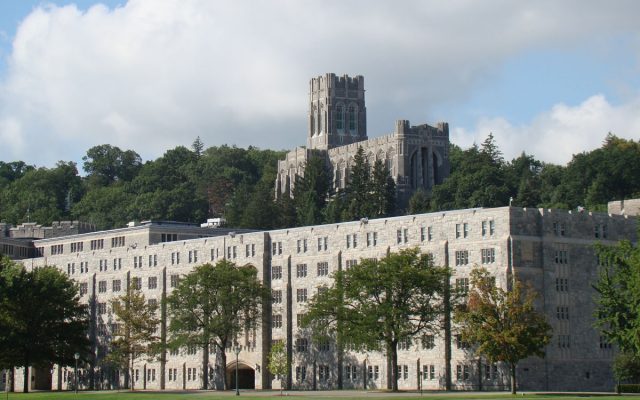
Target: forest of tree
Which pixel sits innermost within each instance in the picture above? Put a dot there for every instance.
(192, 184)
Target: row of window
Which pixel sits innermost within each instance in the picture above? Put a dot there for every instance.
(487, 256)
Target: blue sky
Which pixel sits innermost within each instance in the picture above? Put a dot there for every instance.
(548, 78)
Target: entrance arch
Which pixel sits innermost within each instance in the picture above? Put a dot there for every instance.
(246, 376)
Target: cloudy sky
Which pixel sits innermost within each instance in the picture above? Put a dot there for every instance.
(547, 77)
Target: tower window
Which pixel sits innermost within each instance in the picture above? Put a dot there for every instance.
(340, 118)
(353, 125)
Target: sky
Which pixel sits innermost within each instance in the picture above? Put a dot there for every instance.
(549, 78)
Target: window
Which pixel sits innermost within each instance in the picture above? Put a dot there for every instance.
(492, 227)
(276, 321)
(372, 239)
(84, 288)
(323, 243)
(350, 263)
(115, 285)
(76, 247)
(276, 296)
(117, 263)
(404, 344)
(402, 235)
(102, 286)
(299, 318)
(302, 345)
(301, 373)
(301, 295)
(562, 284)
(351, 372)
(301, 270)
(462, 372)
(340, 118)
(56, 249)
(599, 231)
(323, 373)
(462, 257)
(465, 228)
(175, 258)
(352, 241)
(558, 229)
(175, 279)
(323, 268)
(137, 261)
(562, 312)
(488, 256)
(458, 231)
(152, 303)
(276, 248)
(136, 283)
(564, 341)
(402, 375)
(323, 345)
(276, 272)
(604, 343)
(153, 282)
(485, 225)
(193, 256)
(153, 260)
(352, 119)
(168, 237)
(462, 286)
(428, 342)
(250, 250)
(101, 308)
(460, 343)
(97, 244)
(561, 257)
(373, 372)
(117, 241)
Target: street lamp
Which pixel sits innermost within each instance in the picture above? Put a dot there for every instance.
(76, 356)
(237, 351)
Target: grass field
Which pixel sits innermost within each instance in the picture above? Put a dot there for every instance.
(335, 395)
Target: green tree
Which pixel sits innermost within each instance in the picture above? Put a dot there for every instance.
(618, 303)
(419, 202)
(197, 146)
(626, 367)
(136, 336)
(311, 191)
(278, 363)
(378, 303)
(503, 324)
(359, 187)
(212, 305)
(383, 190)
(106, 164)
(41, 319)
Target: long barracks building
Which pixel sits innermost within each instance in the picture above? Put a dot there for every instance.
(552, 249)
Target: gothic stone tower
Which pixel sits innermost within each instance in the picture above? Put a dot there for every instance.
(337, 113)
(417, 156)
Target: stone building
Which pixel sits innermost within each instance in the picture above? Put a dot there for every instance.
(551, 249)
(417, 156)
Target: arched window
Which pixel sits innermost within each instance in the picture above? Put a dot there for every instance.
(353, 119)
(340, 118)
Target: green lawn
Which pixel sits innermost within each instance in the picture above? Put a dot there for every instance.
(110, 395)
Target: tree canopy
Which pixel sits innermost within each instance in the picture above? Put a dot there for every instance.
(378, 303)
(212, 305)
(41, 318)
(503, 324)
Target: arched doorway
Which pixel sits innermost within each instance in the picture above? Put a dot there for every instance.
(246, 376)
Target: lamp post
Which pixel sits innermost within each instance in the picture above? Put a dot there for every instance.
(76, 356)
(237, 351)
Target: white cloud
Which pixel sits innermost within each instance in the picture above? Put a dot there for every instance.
(153, 74)
(555, 135)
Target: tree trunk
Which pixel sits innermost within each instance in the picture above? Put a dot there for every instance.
(513, 378)
(394, 366)
(205, 366)
(223, 356)
(133, 375)
(25, 384)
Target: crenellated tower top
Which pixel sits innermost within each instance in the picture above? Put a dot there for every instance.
(337, 112)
